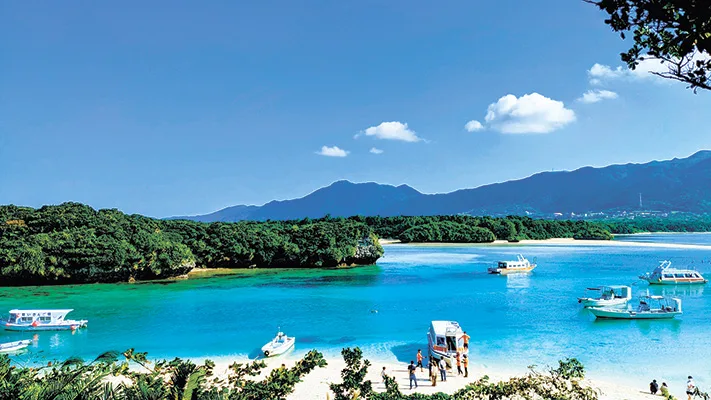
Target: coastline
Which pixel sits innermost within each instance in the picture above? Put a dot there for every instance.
(315, 386)
(554, 242)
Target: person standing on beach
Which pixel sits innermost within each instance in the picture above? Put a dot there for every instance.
(459, 364)
(433, 373)
(690, 387)
(443, 369)
(412, 368)
(466, 364)
(383, 375)
(466, 338)
(419, 360)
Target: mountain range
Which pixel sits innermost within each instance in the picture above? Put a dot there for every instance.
(680, 184)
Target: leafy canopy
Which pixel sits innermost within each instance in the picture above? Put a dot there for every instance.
(677, 32)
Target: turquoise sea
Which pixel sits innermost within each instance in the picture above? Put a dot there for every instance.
(514, 321)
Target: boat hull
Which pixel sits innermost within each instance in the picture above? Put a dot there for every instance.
(269, 350)
(590, 302)
(12, 347)
(507, 271)
(677, 282)
(67, 326)
(609, 313)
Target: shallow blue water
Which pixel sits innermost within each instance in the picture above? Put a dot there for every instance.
(515, 320)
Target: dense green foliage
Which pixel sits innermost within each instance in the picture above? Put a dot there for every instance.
(107, 378)
(464, 228)
(681, 223)
(74, 243)
(130, 376)
(675, 31)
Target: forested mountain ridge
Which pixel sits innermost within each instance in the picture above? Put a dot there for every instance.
(672, 185)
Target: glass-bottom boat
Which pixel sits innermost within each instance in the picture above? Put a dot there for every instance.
(42, 320)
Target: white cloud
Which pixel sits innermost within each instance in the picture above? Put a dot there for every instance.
(593, 96)
(531, 113)
(376, 151)
(392, 131)
(599, 73)
(334, 151)
(473, 126)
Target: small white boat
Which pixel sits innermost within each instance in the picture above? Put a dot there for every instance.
(508, 267)
(42, 320)
(279, 345)
(445, 339)
(12, 347)
(609, 296)
(664, 274)
(650, 307)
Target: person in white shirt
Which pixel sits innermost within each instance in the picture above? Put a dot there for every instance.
(443, 369)
(383, 375)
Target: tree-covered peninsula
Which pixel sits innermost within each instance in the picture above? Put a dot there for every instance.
(73, 243)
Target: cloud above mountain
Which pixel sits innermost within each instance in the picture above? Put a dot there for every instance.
(595, 95)
(334, 151)
(473, 126)
(530, 113)
(394, 130)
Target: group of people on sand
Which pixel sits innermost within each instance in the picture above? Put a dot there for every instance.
(654, 388)
(437, 368)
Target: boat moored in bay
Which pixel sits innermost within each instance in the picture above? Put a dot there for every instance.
(279, 345)
(12, 347)
(650, 307)
(521, 264)
(664, 274)
(609, 296)
(42, 320)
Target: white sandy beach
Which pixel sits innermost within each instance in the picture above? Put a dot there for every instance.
(560, 242)
(315, 385)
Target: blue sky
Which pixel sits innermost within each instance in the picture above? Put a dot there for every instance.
(174, 108)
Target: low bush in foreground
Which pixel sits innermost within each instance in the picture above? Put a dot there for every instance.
(130, 376)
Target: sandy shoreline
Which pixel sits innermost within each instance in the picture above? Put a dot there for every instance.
(559, 242)
(315, 385)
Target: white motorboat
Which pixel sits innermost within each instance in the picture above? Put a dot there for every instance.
(12, 347)
(279, 345)
(609, 296)
(664, 274)
(509, 267)
(445, 339)
(650, 307)
(42, 320)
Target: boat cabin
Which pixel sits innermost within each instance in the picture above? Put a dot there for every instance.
(615, 292)
(37, 316)
(520, 263)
